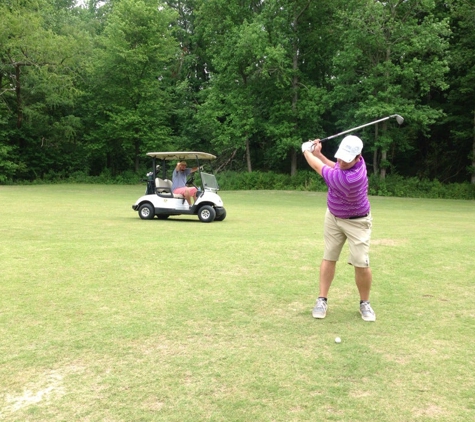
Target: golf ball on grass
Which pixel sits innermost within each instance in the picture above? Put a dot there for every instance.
(337, 340)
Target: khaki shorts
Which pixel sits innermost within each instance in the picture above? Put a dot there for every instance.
(358, 232)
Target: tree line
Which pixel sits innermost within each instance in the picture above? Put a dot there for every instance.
(90, 87)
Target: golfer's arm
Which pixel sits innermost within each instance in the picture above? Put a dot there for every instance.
(326, 161)
(315, 162)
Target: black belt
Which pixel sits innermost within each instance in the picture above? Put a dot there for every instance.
(358, 216)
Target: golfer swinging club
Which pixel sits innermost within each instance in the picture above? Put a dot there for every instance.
(348, 217)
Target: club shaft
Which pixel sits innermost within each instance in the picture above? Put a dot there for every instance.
(359, 127)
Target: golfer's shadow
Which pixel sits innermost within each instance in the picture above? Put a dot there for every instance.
(334, 316)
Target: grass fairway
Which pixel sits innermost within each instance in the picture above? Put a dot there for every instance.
(106, 317)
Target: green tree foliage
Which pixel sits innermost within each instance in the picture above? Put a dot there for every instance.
(228, 113)
(41, 50)
(259, 98)
(392, 56)
(129, 104)
(91, 87)
(460, 107)
(303, 45)
(189, 76)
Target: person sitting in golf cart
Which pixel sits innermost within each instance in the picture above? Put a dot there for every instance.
(180, 175)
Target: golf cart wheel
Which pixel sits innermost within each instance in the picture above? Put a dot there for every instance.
(206, 214)
(221, 217)
(146, 212)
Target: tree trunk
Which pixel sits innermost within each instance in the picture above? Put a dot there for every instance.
(137, 152)
(293, 162)
(375, 161)
(375, 153)
(473, 152)
(18, 97)
(382, 174)
(295, 98)
(248, 156)
(295, 83)
(384, 156)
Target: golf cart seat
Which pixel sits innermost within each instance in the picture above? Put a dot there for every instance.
(161, 186)
(164, 186)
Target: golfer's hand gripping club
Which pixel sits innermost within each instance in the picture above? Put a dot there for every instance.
(307, 146)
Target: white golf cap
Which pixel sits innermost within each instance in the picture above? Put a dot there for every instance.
(350, 147)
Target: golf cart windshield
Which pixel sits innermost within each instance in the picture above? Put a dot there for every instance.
(209, 182)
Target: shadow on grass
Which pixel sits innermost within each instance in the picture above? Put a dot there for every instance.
(168, 220)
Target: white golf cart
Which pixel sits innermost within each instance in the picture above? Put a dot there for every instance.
(160, 201)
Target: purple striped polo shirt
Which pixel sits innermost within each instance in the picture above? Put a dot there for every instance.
(347, 190)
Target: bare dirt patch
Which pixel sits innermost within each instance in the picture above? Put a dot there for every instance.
(388, 242)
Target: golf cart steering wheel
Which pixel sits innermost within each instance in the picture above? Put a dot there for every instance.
(191, 180)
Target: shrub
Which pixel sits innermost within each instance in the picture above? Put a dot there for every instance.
(413, 187)
(257, 180)
(392, 185)
(305, 180)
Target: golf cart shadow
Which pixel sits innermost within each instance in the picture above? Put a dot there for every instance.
(177, 219)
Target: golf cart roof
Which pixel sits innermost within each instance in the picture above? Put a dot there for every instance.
(182, 155)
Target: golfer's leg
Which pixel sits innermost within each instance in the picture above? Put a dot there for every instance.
(187, 196)
(334, 241)
(363, 278)
(327, 273)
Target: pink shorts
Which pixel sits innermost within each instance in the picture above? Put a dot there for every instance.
(182, 191)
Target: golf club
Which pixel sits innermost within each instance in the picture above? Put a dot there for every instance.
(399, 119)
